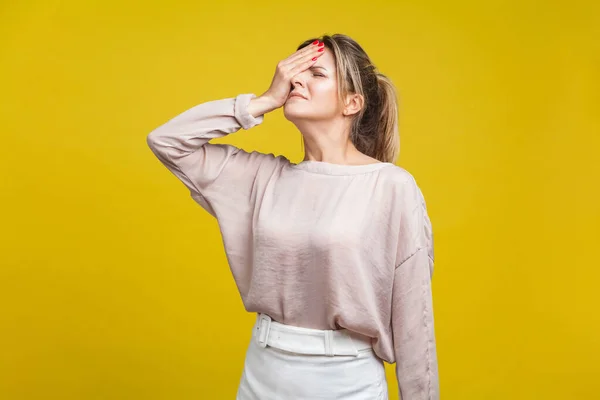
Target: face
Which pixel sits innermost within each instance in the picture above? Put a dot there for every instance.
(318, 88)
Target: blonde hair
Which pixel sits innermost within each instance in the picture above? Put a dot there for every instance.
(375, 127)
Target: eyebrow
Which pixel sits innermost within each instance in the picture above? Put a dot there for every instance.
(317, 66)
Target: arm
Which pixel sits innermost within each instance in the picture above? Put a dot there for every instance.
(223, 176)
(211, 171)
(412, 310)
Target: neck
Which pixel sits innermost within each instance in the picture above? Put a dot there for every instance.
(329, 141)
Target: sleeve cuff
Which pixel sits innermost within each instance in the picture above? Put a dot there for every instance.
(240, 111)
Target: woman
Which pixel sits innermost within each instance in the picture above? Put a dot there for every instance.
(335, 253)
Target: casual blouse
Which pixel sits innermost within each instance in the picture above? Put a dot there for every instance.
(315, 244)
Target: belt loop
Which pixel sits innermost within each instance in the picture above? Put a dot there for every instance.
(329, 351)
(264, 328)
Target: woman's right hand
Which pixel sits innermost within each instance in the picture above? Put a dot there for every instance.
(278, 92)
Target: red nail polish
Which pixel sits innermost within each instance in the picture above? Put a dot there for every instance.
(314, 58)
(321, 44)
(315, 42)
(321, 49)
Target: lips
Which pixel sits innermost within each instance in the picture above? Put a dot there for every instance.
(295, 94)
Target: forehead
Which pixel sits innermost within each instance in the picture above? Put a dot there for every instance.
(326, 61)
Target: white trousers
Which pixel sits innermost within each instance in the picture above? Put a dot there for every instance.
(291, 363)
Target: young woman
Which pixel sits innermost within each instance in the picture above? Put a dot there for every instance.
(334, 253)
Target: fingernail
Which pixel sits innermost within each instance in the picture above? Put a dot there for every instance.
(315, 42)
(321, 49)
(321, 44)
(314, 58)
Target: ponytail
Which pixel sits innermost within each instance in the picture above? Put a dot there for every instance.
(374, 130)
(387, 145)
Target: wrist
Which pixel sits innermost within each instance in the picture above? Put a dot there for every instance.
(261, 105)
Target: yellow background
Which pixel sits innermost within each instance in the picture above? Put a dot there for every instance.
(114, 283)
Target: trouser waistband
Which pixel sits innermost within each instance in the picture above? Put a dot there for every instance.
(308, 341)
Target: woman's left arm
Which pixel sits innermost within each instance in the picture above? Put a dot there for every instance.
(412, 309)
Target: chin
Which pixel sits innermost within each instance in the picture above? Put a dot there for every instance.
(295, 111)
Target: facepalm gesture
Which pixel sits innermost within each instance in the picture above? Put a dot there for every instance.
(288, 68)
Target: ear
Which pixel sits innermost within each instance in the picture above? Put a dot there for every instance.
(354, 103)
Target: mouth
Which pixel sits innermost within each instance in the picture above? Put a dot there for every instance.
(297, 95)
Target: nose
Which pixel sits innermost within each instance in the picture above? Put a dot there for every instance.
(297, 81)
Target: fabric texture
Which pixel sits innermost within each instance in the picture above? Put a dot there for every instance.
(315, 244)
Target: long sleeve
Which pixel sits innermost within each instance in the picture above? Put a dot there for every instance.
(218, 176)
(412, 308)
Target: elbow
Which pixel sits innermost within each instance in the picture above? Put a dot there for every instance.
(151, 140)
(155, 140)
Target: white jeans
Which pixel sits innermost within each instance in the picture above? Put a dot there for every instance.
(291, 363)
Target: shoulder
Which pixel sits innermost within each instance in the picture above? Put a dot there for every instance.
(399, 178)
(406, 194)
(414, 221)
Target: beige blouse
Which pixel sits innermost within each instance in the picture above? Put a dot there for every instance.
(315, 244)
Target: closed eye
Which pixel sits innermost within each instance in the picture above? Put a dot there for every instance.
(315, 74)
